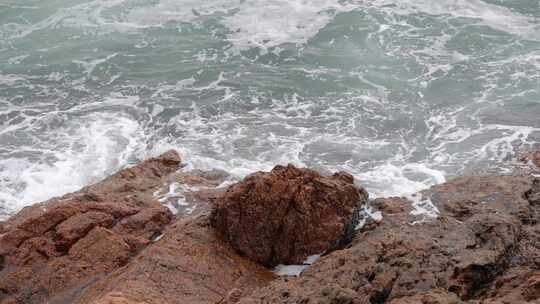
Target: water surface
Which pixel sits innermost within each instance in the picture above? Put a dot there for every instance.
(403, 94)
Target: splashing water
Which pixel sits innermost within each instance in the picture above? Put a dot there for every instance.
(402, 94)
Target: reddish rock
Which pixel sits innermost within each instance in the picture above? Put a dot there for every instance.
(109, 243)
(483, 248)
(113, 243)
(51, 250)
(189, 264)
(77, 226)
(432, 297)
(288, 214)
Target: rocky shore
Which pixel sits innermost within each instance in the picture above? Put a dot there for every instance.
(157, 233)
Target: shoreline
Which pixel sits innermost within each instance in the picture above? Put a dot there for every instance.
(92, 246)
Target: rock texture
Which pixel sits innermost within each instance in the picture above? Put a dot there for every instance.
(51, 250)
(288, 214)
(483, 248)
(189, 264)
(117, 241)
(113, 242)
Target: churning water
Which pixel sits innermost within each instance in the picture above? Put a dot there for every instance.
(401, 93)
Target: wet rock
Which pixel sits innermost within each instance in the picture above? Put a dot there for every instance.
(288, 214)
(114, 242)
(51, 250)
(391, 205)
(533, 194)
(479, 249)
(190, 264)
(532, 157)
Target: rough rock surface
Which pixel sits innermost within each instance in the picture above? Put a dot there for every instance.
(115, 242)
(483, 248)
(110, 243)
(288, 214)
(189, 264)
(532, 157)
(51, 250)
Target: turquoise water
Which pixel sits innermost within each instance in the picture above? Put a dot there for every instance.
(403, 94)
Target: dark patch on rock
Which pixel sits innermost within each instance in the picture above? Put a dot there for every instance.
(533, 194)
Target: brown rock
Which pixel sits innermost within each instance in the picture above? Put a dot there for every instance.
(432, 297)
(51, 250)
(288, 214)
(533, 194)
(109, 244)
(483, 248)
(533, 157)
(531, 291)
(190, 264)
(77, 226)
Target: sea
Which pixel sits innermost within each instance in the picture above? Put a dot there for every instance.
(403, 94)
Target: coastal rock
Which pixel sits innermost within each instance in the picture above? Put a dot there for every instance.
(532, 157)
(474, 239)
(188, 264)
(482, 247)
(116, 242)
(288, 214)
(51, 250)
(433, 297)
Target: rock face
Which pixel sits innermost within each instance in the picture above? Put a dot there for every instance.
(49, 251)
(189, 264)
(483, 248)
(113, 242)
(533, 157)
(288, 214)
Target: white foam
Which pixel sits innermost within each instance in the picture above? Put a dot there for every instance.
(423, 206)
(252, 24)
(157, 238)
(269, 23)
(90, 65)
(87, 16)
(494, 16)
(289, 270)
(400, 180)
(172, 196)
(368, 213)
(295, 270)
(88, 149)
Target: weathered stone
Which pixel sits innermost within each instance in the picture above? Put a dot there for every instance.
(288, 214)
(51, 250)
(533, 157)
(189, 264)
(463, 255)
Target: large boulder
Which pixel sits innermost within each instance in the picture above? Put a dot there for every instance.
(288, 214)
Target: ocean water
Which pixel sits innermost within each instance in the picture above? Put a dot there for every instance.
(401, 93)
